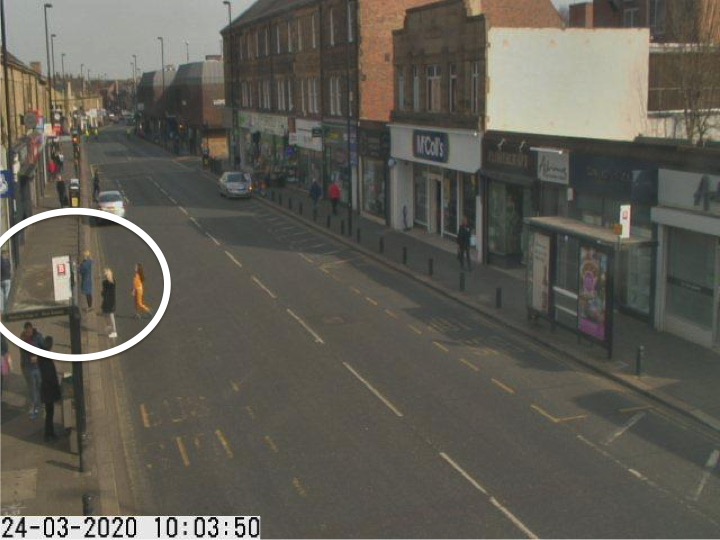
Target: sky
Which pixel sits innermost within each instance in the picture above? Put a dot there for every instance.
(104, 34)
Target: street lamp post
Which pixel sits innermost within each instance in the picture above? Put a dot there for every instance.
(187, 52)
(162, 62)
(233, 150)
(52, 59)
(49, 67)
(65, 86)
(134, 84)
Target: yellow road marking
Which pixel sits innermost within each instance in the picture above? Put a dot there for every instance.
(555, 420)
(416, 330)
(441, 346)
(373, 302)
(308, 259)
(484, 351)
(145, 416)
(271, 443)
(503, 386)
(391, 314)
(235, 386)
(470, 365)
(299, 487)
(183, 451)
(355, 290)
(225, 443)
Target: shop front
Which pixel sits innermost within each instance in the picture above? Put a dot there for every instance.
(308, 142)
(263, 143)
(434, 179)
(374, 156)
(688, 270)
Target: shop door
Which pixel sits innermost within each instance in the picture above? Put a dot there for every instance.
(434, 186)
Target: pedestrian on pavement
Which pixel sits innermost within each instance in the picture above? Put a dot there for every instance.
(335, 195)
(463, 240)
(108, 302)
(139, 292)
(5, 280)
(5, 363)
(86, 279)
(61, 191)
(60, 161)
(315, 194)
(30, 368)
(49, 389)
(96, 185)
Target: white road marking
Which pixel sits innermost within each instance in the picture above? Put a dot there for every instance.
(391, 314)
(318, 339)
(709, 466)
(519, 524)
(195, 221)
(172, 200)
(308, 259)
(370, 387)
(371, 301)
(264, 288)
(233, 259)
(634, 420)
(182, 209)
(211, 237)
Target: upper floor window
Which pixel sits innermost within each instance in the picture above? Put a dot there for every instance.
(314, 30)
(631, 17)
(335, 97)
(352, 6)
(313, 95)
(303, 97)
(290, 102)
(289, 37)
(452, 89)
(432, 90)
(401, 90)
(332, 26)
(257, 44)
(475, 88)
(281, 103)
(657, 17)
(277, 39)
(416, 88)
(300, 34)
(266, 33)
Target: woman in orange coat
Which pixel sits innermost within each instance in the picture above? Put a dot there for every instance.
(139, 291)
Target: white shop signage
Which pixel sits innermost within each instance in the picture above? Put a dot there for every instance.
(690, 191)
(304, 134)
(264, 123)
(553, 167)
(454, 149)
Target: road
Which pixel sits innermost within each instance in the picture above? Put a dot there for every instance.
(293, 378)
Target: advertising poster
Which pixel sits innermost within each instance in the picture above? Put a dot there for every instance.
(592, 297)
(539, 275)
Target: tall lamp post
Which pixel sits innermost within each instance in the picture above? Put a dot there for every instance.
(52, 59)
(82, 79)
(162, 72)
(134, 84)
(49, 67)
(232, 142)
(65, 86)
(187, 52)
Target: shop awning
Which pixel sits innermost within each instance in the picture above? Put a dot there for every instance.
(592, 233)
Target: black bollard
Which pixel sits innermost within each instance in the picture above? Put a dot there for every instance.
(300, 208)
(357, 235)
(280, 199)
(88, 502)
(462, 281)
(342, 227)
(498, 297)
(381, 248)
(272, 195)
(290, 203)
(328, 221)
(638, 360)
(430, 266)
(404, 255)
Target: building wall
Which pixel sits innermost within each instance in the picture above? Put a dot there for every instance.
(574, 82)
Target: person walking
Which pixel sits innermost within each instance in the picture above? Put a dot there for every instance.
(108, 302)
(86, 279)
(335, 194)
(5, 280)
(30, 368)
(61, 191)
(463, 240)
(315, 194)
(96, 185)
(49, 389)
(139, 292)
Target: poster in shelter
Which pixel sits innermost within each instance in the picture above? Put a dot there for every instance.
(593, 288)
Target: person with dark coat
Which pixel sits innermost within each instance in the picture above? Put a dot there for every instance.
(30, 368)
(86, 278)
(463, 240)
(49, 390)
(315, 194)
(108, 302)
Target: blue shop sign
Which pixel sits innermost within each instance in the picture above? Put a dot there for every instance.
(6, 185)
(431, 146)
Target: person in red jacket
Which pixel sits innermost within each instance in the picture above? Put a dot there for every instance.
(335, 194)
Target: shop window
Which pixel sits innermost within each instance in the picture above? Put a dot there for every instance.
(450, 203)
(469, 193)
(374, 186)
(505, 208)
(421, 200)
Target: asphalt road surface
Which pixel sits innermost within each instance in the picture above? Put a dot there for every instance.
(293, 378)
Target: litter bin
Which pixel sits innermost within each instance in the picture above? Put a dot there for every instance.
(74, 193)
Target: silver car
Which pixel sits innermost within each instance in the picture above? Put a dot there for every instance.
(235, 185)
(111, 201)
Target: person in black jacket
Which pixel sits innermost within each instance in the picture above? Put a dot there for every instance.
(463, 240)
(49, 390)
(108, 302)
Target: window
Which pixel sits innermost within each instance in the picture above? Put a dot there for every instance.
(281, 103)
(475, 88)
(313, 95)
(352, 6)
(416, 88)
(303, 102)
(300, 35)
(259, 95)
(452, 89)
(332, 27)
(257, 44)
(401, 90)
(657, 17)
(267, 101)
(289, 37)
(238, 41)
(267, 40)
(290, 103)
(433, 74)
(277, 39)
(314, 31)
(630, 17)
(335, 97)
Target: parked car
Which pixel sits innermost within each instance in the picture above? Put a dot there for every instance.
(113, 202)
(236, 185)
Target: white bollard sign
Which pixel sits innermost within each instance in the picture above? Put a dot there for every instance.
(61, 278)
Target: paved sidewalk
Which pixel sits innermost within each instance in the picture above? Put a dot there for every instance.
(41, 478)
(678, 373)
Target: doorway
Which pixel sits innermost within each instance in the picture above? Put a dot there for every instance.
(435, 203)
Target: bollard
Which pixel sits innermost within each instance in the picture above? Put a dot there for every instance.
(328, 221)
(381, 247)
(272, 195)
(638, 360)
(462, 281)
(280, 199)
(342, 227)
(290, 203)
(498, 297)
(88, 502)
(431, 263)
(300, 208)
(404, 255)
(357, 235)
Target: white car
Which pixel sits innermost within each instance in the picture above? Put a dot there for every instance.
(235, 184)
(112, 201)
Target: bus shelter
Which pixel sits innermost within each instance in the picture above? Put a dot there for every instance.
(570, 275)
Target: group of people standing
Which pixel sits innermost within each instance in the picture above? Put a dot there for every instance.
(55, 168)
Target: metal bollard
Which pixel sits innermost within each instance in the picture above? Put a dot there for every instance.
(431, 264)
(357, 235)
(328, 221)
(498, 297)
(404, 255)
(462, 281)
(300, 208)
(381, 247)
(272, 195)
(342, 227)
(639, 359)
(290, 203)
(280, 199)
(88, 502)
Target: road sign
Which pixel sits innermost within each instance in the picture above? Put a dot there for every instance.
(61, 278)
(6, 184)
(39, 313)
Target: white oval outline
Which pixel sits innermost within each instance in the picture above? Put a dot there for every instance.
(123, 346)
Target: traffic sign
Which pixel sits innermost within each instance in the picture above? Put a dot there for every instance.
(39, 313)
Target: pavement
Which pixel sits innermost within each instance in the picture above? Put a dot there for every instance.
(45, 479)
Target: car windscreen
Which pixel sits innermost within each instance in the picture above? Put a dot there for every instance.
(110, 197)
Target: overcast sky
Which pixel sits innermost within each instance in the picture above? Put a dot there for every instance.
(104, 34)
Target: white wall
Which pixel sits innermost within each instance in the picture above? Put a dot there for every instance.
(576, 82)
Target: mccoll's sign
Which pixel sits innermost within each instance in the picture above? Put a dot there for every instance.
(431, 146)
